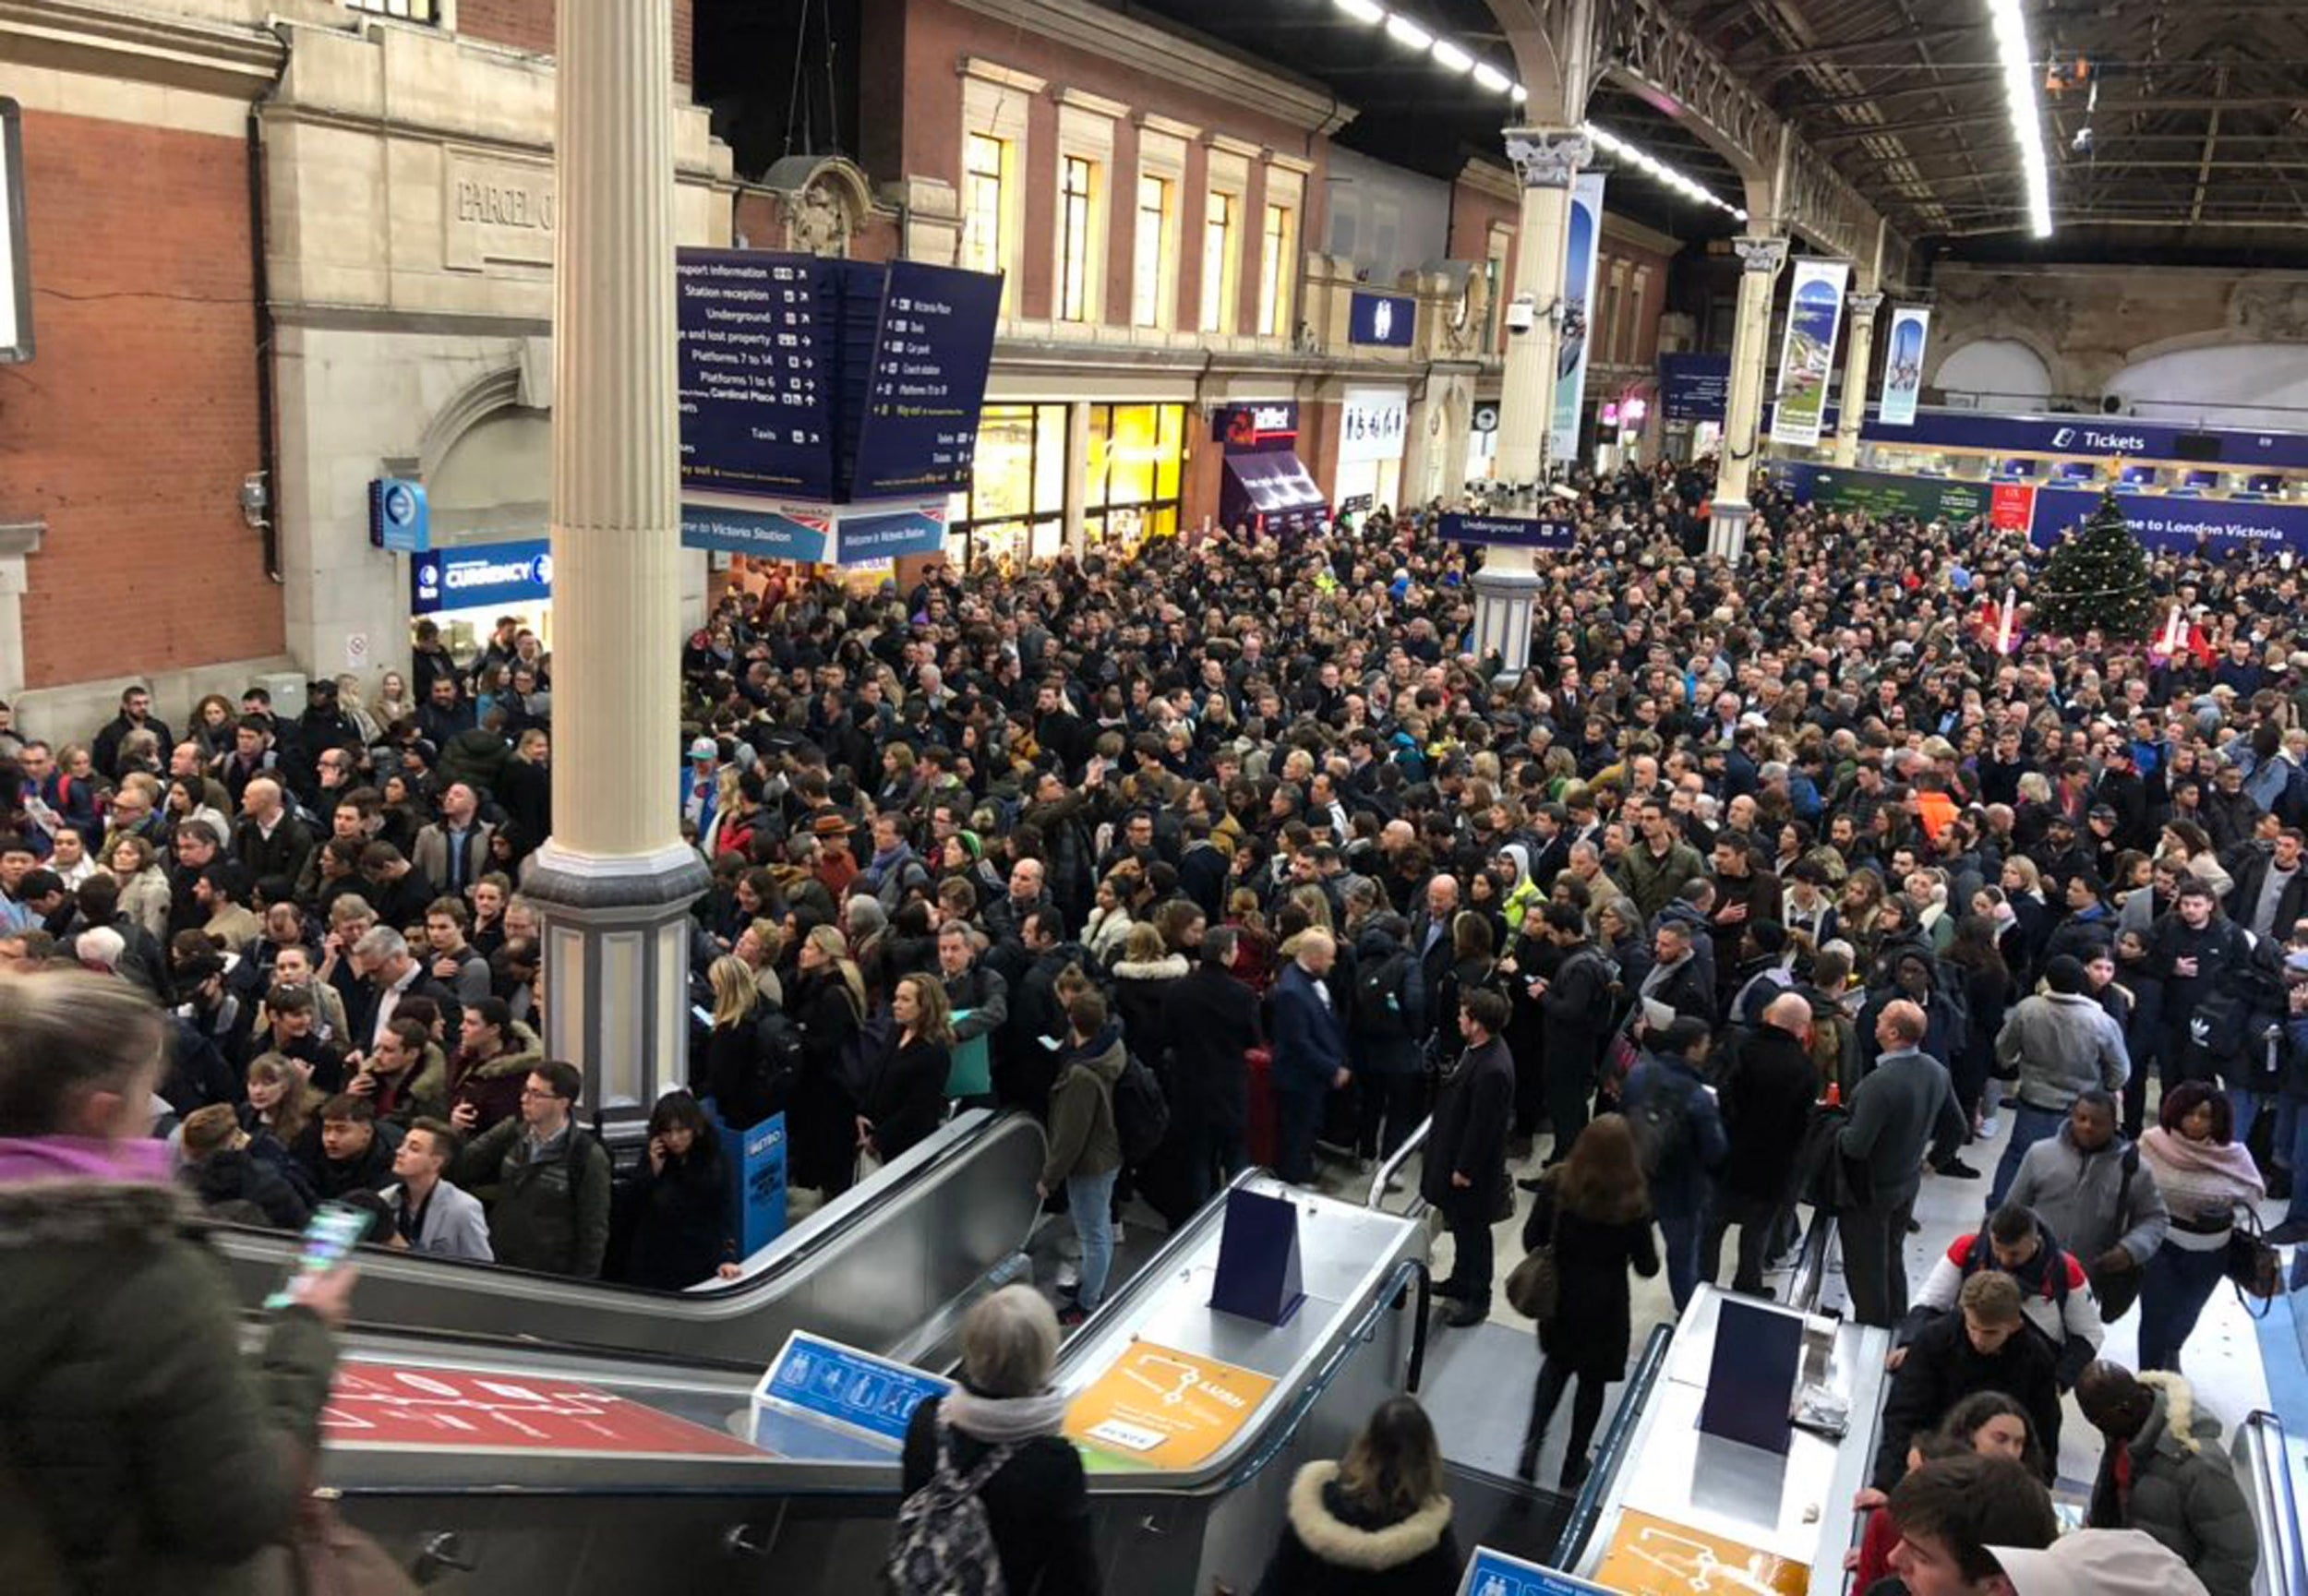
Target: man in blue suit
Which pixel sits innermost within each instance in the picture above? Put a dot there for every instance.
(1309, 1054)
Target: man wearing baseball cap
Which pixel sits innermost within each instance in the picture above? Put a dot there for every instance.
(1982, 1526)
(2095, 1563)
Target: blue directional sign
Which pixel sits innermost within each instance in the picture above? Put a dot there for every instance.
(1493, 1573)
(756, 387)
(1389, 321)
(830, 1381)
(1520, 530)
(932, 354)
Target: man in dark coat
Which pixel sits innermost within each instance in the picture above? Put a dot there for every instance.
(1465, 1177)
(1766, 1096)
(1309, 1054)
(1579, 1004)
(1214, 1025)
(1988, 1347)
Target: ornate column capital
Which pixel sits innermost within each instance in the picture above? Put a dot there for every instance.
(1548, 157)
(1763, 256)
(1865, 306)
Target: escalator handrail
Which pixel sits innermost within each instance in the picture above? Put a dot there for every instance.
(2268, 1463)
(1809, 1280)
(1616, 1436)
(1396, 1159)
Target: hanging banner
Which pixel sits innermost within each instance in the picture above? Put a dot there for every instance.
(1903, 365)
(1570, 351)
(1815, 312)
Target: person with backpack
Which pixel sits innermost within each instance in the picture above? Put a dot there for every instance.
(545, 1180)
(1086, 1151)
(995, 1498)
(1384, 1044)
(1465, 1176)
(1678, 1136)
(753, 1054)
(2086, 1185)
(2055, 1295)
(1579, 1003)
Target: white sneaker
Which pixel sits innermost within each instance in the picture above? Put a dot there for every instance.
(1069, 1276)
(1990, 1126)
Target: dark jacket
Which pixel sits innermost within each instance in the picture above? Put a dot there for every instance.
(368, 1171)
(1905, 1105)
(1037, 1505)
(1766, 1097)
(548, 1211)
(1143, 998)
(235, 1184)
(1943, 1367)
(281, 856)
(1580, 1010)
(1591, 1257)
(1678, 1186)
(821, 1113)
(1213, 1027)
(152, 1458)
(1333, 1545)
(904, 1094)
(681, 1221)
(2183, 1490)
(493, 1086)
(1469, 1135)
(1309, 1040)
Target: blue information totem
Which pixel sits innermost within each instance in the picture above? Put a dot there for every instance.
(757, 1175)
(1259, 1276)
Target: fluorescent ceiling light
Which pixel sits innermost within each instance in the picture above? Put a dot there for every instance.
(1657, 170)
(1450, 58)
(1363, 10)
(1492, 78)
(2019, 93)
(1518, 94)
(1402, 31)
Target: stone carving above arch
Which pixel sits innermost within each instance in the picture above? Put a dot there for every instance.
(822, 201)
(2265, 311)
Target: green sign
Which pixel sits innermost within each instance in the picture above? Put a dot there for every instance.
(1882, 493)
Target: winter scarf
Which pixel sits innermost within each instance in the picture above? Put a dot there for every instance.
(1004, 1420)
(28, 1160)
(2200, 1180)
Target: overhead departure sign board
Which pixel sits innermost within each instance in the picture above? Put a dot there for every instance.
(814, 381)
(756, 394)
(931, 357)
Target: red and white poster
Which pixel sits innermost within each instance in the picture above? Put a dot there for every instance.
(389, 1407)
(2013, 508)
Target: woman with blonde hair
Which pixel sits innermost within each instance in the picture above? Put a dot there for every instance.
(1376, 1520)
(905, 1089)
(350, 704)
(829, 1007)
(738, 1074)
(393, 702)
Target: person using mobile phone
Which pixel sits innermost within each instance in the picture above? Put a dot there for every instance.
(148, 1451)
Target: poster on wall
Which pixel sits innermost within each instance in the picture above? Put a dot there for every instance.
(1815, 313)
(1903, 365)
(1373, 423)
(1570, 351)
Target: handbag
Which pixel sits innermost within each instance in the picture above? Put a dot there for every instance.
(1535, 1286)
(2251, 1264)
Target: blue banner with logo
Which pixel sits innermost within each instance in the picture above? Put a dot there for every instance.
(1694, 387)
(399, 516)
(2092, 437)
(1516, 531)
(829, 1380)
(894, 535)
(481, 576)
(1387, 320)
(756, 1157)
(765, 533)
(932, 354)
(2223, 526)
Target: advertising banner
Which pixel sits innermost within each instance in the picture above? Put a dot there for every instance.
(1256, 428)
(1373, 423)
(757, 1182)
(2224, 526)
(1882, 493)
(481, 576)
(862, 539)
(931, 356)
(1807, 354)
(1515, 531)
(1659, 1558)
(1903, 365)
(1157, 1408)
(387, 1407)
(2012, 508)
(1570, 353)
(1387, 321)
(1694, 387)
(788, 533)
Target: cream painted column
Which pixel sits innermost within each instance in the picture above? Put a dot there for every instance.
(1077, 492)
(1760, 258)
(1547, 158)
(1857, 361)
(614, 880)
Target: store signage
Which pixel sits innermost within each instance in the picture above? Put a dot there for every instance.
(1513, 530)
(1807, 351)
(1570, 349)
(1251, 428)
(389, 1407)
(16, 251)
(1493, 1573)
(827, 1380)
(895, 535)
(1356, 503)
(1694, 387)
(1157, 1408)
(932, 354)
(1903, 365)
(1373, 423)
(796, 534)
(2011, 508)
(400, 519)
(1389, 321)
(481, 576)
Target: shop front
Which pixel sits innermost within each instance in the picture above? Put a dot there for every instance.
(1267, 487)
(1125, 462)
(467, 589)
(1374, 427)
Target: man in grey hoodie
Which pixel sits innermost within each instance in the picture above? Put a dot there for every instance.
(2085, 1183)
(2059, 1043)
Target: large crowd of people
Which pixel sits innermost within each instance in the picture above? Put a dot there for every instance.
(1236, 853)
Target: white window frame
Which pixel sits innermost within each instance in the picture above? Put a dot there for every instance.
(996, 101)
(1162, 156)
(1226, 182)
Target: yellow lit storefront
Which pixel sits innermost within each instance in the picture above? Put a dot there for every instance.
(1045, 469)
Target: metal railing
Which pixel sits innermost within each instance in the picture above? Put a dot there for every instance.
(1393, 1167)
(2267, 1469)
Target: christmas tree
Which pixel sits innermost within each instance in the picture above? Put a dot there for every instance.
(2097, 579)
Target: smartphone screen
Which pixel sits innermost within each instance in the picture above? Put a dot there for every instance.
(336, 1230)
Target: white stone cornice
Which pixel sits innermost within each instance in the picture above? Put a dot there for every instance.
(90, 36)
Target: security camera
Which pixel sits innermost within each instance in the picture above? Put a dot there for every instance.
(1522, 313)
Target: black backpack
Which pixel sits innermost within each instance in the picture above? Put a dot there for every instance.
(777, 1058)
(1141, 1112)
(1378, 999)
(1660, 1123)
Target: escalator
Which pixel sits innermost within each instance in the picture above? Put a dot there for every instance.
(887, 1265)
(2272, 1467)
(597, 1472)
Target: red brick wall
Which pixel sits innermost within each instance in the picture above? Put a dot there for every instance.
(528, 25)
(132, 428)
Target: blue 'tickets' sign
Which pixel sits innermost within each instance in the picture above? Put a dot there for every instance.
(830, 1381)
(1518, 531)
(1493, 1573)
(1389, 321)
(481, 576)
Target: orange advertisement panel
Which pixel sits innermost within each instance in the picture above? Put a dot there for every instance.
(1652, 1557)
(1157, 1408)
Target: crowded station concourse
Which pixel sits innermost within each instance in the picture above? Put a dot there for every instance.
(1312, 895)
